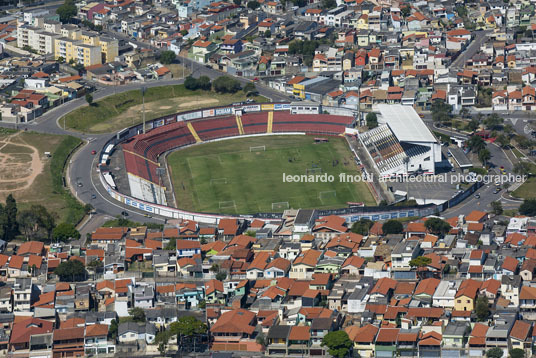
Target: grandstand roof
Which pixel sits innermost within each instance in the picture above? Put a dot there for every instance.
(405, 123)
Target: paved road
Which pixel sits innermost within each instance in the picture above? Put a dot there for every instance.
(474, 47)
(83, 179)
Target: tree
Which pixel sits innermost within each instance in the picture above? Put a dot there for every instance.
(493, 121)
(253, 5)
(12, 226)
(187, 326)
(221, 275)
(72, 270)
(496, 207)
(267, 34)
(441, 111)
(95, 265)
(503, 140)
(517, 353)
(65, 231)
(190, 83)
(167, 57)
(60, 59)
(420, 261)
(476, 143)
(494, 353)
(473, 125)
(338, 342)
(67, 11)
(226, 84)
(392, 227)
(405, 11)
(329, 4)
(362, 226)
(372, 120)
(528, 207)
(484, 155)
(437, 226)
(482, 308)
(89, 98)
(521, 168)
(261, 340)
(27, 221)
(185, 32)
(162, 340)
(249, 87)
(112, 330)
(137, 314)
(204, 83)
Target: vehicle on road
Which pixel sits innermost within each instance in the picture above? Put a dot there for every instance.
(93, 152)
(80, 185)
(124, 213)
(93, 196)
(477, 196)
(255, 79)
(497, 190)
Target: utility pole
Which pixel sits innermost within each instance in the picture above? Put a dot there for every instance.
(143, 106)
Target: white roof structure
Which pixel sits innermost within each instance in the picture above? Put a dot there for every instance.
(405, 123)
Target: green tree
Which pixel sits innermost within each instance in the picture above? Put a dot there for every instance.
(437, 226)
(329, 4)
(517, 353)
(65, 231)
(528, 207)
(167, 57)
(237, 2)
(482, 308)
(362, 226)
(521, 168)
(72, 270)
(473, 125)
(249, 87)
(338, 342)
(503, 141)
(226, 84)
(187, 326)
(392, 227)
(221, 275)
(253, 5)
(89, 98)
(137, 314)
(203, 82)
(494, 353)
(267, 34)
(475, 143)
(184, 32)
(494, 122)
(461, 10)
(484, 155)
(67, 11)
(496, 207)
(12, 226)
(190, 83)
(112, 330)
(27, 221)
(420, 261)
(162, 340)
(405, 11)
(372, 120)
(441, 111)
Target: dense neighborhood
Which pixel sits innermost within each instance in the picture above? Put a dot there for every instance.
(304, 283)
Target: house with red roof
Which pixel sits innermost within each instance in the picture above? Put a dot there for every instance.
(235, 331)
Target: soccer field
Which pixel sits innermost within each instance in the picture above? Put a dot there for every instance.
(245, 176)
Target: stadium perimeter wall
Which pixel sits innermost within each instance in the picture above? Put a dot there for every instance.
(350, 214)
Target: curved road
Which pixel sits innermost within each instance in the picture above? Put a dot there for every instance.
(86, 185)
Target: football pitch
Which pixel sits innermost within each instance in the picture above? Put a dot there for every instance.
(245, 175)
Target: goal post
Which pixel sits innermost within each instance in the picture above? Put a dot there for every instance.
(282, 205)
(313, 171)
(259, 148)
(218, 181)
(227, 204)
(327, 195)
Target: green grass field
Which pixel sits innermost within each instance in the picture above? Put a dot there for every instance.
(229, 177)
(122, 110)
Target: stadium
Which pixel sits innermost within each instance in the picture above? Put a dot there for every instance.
(300, 132)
